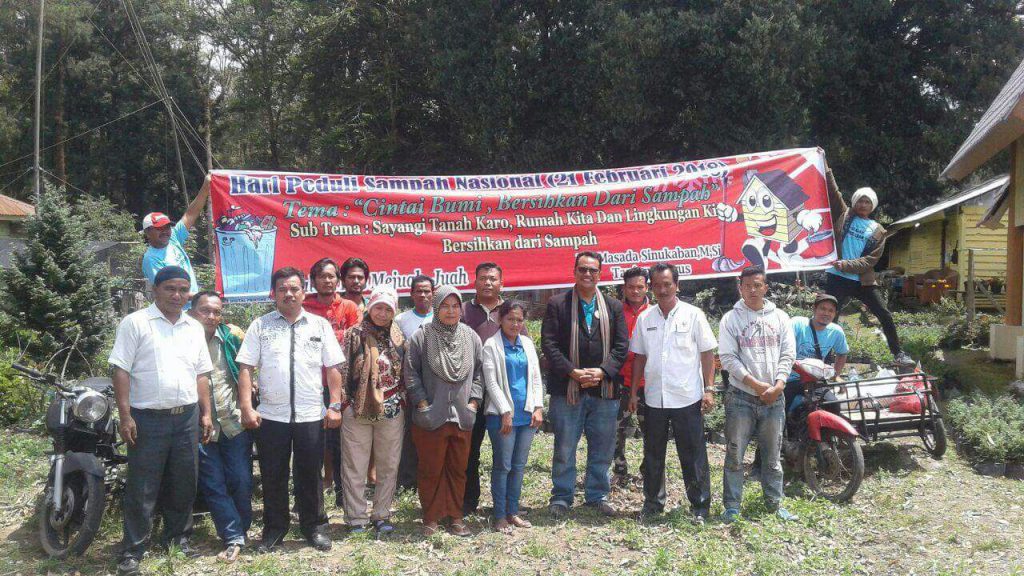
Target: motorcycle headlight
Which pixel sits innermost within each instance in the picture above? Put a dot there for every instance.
(90, 406)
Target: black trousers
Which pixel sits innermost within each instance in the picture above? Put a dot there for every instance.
(303, 444)
(333, 439)
(687, 428)
(162, 468)
(845, 289)
(626, 425)
(472, 498)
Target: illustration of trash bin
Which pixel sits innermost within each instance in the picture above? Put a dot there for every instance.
(247, 260)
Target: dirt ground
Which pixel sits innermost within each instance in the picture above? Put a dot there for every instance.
(912, 515)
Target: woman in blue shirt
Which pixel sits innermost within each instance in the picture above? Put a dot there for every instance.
(515, 402)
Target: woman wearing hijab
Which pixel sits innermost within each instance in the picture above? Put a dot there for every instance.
(372, 423)
(444, 381)
(515, 409)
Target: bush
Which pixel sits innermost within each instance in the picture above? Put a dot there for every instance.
(921, 341)
(714, 421)
(866, 346)
(991, 429)
(960, 333)
(19, 400)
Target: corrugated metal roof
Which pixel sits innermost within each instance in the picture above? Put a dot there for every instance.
(999, 126)
(995, 186)
(15, 208)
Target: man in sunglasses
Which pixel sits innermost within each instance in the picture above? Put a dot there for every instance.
(585, 341)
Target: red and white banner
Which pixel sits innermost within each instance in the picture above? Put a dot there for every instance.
(707, 217)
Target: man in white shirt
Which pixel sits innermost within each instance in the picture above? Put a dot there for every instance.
(422, 292)
(673, 348)
(292, 349)
(161, 369)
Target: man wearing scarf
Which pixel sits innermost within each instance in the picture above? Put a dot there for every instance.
(585, 341)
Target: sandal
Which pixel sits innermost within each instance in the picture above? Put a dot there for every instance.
(459, 529)
(430, 529)
(502, 526)
(519, 522)
(383, 527)
(230, 553)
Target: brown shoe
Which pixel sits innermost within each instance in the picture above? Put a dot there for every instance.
(519, 522)
(603, 507)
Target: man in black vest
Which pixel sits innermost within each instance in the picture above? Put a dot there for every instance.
(585, 341)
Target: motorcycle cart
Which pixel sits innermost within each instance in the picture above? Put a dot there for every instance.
(867, 404)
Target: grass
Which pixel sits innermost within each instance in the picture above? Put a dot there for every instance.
(912, 515)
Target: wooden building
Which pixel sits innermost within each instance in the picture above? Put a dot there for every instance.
(939, 236)
(1001, 128)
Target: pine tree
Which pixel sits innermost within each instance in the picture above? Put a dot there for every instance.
(57, 291)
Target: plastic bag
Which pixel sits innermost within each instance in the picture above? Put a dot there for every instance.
(908, 404)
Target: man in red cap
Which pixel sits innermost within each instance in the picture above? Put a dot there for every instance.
(167, 242)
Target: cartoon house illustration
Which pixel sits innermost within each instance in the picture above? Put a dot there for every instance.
(771, 202)
(772, 208)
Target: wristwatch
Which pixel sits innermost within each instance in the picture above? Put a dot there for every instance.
(335, 406)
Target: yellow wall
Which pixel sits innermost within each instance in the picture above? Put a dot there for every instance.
(917, 250)
(986, 264)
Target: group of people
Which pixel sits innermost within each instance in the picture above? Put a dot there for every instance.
(335, 384)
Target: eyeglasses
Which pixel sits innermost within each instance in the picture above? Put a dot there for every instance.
(587, 270)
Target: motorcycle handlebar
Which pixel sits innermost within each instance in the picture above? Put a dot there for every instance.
(39, 376)
(28, 371)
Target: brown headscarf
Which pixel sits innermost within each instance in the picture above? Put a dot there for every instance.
(366, 343)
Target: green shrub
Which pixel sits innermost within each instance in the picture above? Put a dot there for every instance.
(714, 421)
(242, 315)
(959, 333)
(991, 429)
(921, 341)
(866, 346)
(20, 402)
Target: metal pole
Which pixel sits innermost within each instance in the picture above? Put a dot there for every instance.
(39, 100)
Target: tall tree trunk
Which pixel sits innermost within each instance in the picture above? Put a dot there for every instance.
(59, 153)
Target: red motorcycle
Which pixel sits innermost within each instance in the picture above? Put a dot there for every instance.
(821, 443)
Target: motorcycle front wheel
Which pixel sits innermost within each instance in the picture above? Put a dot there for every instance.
(834, 467)
(71, 531)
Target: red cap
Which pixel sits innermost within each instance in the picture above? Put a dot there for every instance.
(156, 219)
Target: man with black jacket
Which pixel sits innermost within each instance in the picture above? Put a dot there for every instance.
(584, 340)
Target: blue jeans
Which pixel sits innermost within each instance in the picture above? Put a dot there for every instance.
(225, 481)
(746, 417)
(510, 452)
(593, 417)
